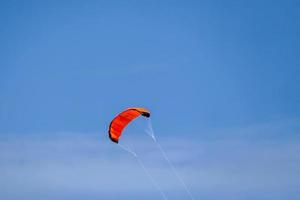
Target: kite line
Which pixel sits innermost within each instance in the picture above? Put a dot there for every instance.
(150, 132)
(153, 181)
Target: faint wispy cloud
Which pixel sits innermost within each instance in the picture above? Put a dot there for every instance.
(72, 165)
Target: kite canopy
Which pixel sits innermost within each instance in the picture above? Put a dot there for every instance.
(121, 120)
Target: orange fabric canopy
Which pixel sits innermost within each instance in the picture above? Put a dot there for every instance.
(121, 120)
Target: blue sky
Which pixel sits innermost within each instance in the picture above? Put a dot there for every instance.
(217, 76)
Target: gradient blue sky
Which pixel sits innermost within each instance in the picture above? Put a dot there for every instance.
(214, 71)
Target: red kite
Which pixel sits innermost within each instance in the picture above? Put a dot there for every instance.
(121, 120)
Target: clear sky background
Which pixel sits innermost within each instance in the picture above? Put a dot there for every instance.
(221, 79)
